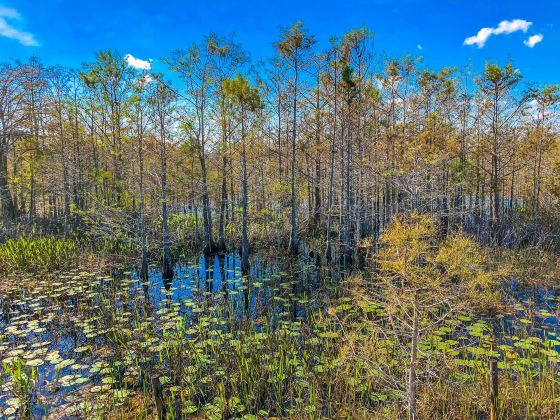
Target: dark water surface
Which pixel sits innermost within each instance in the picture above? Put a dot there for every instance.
(59, 326)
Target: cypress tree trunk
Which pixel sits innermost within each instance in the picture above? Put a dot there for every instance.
(244, 201)
(317, 183)
(209, 245)
(223, 207)
(224, 194)
(144, 257)
(294, 245)
(167, 268)
(8, 209)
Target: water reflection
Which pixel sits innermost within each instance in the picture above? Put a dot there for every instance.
(289, 289)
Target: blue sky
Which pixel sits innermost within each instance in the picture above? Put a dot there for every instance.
(68, 32)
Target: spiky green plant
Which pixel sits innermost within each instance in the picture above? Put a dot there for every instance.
(33, 255)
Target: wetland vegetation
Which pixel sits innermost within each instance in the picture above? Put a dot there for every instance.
(327, 234)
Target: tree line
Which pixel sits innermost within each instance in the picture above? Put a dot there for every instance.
(313, 145)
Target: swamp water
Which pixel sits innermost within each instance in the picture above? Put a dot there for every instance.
(79, 344)
(79, 340)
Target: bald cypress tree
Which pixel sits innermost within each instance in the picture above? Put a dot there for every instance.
(496, 84)
(294, 47)
(247, 102)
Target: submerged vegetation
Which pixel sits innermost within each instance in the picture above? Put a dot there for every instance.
(324, 235)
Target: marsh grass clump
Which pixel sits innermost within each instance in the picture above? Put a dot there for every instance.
(36, 254)
(21, 379)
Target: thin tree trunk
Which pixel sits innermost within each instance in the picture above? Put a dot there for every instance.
(8, 210)
(167, 267)
(144, 257)
(294, 245)
(328, 247)
(244, 200)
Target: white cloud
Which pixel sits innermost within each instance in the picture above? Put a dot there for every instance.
(419, 47)
(138, 63)
(8, 31)
(480, 38)
(533, 40)
(504, 27)
(510, 26)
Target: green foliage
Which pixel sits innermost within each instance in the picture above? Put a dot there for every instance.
(460, 171)
(242, 93)
(348, 77)
(180, 221)
(496, 80)
(22, 380)
(40, 254)
(118, 244)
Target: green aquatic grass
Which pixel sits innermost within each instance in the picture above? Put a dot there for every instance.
(36, 254)
(21, 379)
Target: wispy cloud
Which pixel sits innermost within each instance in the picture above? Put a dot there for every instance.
(137, 63)
(419, 46)
(9, 31)
(504, 27)
(533, 40)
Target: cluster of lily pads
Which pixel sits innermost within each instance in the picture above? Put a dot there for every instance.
(278, 342)
(89, 344)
